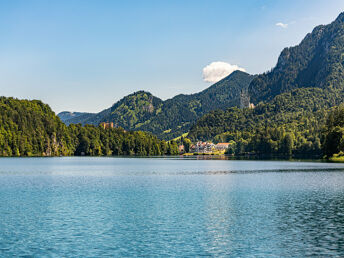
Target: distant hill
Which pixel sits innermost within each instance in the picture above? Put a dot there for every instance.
(168, 119)
(68, 117)
(316, 62)
(299, 115)
(127, 112)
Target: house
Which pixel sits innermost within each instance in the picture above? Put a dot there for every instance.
(222, 146)
(209, 147)
(202, 147)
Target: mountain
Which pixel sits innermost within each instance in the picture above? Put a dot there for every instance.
(31, 128)
(292, 100)
(289, 108)
(316, 62)
(173, 117)
(127, 112)
(68, 117)
(301, 114)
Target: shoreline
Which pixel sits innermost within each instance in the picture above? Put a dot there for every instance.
(195, 157)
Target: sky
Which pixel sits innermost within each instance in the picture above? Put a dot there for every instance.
(84, 55)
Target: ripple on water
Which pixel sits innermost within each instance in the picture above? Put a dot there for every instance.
(157, 207)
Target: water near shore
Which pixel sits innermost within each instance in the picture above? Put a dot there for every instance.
(68, 207)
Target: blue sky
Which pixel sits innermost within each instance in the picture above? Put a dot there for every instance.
(85, 55)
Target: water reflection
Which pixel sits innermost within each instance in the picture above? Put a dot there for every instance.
(157, 207)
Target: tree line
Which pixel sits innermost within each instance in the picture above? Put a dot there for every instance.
(31, 128)
(292, 124)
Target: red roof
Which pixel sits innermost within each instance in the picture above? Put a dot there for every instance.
(223, 143)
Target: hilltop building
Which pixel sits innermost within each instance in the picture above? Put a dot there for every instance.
(106, 125)
(245, 100)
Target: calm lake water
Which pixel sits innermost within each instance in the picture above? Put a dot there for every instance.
(92, 207)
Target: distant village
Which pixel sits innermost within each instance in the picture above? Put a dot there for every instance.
(206, 148)
(200, 147)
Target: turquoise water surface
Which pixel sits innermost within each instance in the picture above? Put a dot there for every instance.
(93, 207)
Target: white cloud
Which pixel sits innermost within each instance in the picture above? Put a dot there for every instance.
(216, 71)
(282, 25)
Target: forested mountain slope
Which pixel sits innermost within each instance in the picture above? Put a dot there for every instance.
(170, 118)
(127, 112)
(300, 114)
(316, 62)
(31, 128)
(292, 100)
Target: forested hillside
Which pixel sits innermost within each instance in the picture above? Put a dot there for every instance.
(170, 118)
(316, 62)
(292, 100)
(129, 112)
(295, 118)
(31, 128)
(179, 113)
(333, 142)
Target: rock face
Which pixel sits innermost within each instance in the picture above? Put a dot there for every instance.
(316, 62)
(244, 99)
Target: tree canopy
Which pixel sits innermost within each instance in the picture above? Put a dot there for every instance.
(31, 128)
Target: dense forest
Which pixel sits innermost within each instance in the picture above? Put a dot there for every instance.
(333, 140)
(31, 128)
(170, 118)
(292, 102)
(291, 124)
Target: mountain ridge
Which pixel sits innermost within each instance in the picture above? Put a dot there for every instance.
(317, 61)
(68, 115)
(293, 101)
(141, 110)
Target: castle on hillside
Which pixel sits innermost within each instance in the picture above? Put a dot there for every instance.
(245, 100)
(106, 125)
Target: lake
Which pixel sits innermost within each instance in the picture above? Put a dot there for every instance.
(92, 207)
